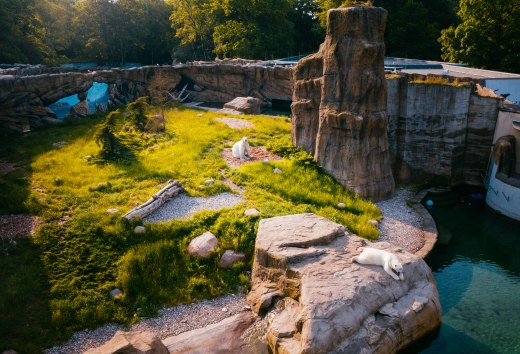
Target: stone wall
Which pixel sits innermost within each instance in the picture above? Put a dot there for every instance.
(439, 133)
(24, 99)
(436, 133)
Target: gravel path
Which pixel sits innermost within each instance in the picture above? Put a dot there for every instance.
(18, 226)
(171, 321)
(184, 206)
(401, 225)
(235, 123)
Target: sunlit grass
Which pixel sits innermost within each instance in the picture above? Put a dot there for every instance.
(85, 252)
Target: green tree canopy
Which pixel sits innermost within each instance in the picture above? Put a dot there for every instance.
(487, 37)
(413, 26)
(230, 28)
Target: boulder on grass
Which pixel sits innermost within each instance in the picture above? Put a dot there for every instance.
(247, 105)
(203, 245)
(229, 258)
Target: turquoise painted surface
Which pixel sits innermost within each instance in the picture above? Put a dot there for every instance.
(98, 93)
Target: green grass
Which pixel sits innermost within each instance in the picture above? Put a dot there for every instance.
(59, 280)
(439, 80)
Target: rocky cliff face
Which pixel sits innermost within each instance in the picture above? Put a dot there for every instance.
(439, 133)
(330, 304)
(24, 99)
(339, 102)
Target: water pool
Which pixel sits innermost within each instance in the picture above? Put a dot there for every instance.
(478, 277)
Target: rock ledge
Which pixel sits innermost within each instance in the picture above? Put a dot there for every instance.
(330, 303)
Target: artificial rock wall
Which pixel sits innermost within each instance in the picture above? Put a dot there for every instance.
(339, 102)
(24, 98)
(439, 133)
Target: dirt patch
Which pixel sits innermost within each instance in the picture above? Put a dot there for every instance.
(18, 226)
(235, 123)
(258, 153)
(6, 167)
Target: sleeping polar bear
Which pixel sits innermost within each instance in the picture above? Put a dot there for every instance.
(241, 149)
(388, 260)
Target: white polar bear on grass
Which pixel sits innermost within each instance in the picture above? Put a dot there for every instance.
(241, 149)
(388, 260)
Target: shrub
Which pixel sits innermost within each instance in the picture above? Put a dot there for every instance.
(136, 113)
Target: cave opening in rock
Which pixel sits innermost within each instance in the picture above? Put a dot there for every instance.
(97, 97)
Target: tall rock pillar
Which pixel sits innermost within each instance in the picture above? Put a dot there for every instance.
(347, 131)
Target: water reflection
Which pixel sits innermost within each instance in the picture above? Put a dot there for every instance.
(478, 277)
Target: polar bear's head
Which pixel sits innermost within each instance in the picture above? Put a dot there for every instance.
(244, 139)
(397, 267)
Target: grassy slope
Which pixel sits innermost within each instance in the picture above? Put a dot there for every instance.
(59, 280)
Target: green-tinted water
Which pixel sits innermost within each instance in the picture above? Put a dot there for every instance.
(478, 277)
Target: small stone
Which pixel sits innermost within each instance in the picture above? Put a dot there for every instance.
(115, 293)
(341, 205)
(265, 161)
(224, 309)
(277, 170)
(59, 143)
(113, 211)
(10, 351)
(247, 307)
(251, 212)
(139, 230)
(203, 245)
(209, 182)
(229, 258)
(199, 115)
(373, 222)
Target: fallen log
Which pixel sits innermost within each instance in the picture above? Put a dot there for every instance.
(172, 189)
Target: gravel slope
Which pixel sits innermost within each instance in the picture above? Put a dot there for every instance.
(184, 206)
(401, 225)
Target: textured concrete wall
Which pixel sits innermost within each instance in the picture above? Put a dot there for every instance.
(439, 133)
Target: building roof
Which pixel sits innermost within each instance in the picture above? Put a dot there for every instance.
(424, 67)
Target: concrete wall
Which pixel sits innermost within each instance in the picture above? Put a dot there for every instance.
(439, 133)
(503, 197)
(505, 127)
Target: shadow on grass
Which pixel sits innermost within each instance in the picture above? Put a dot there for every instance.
(25, 323)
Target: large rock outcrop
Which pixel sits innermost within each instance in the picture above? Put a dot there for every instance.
(345, 125)
(331, 304)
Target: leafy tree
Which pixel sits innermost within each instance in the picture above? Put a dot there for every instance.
(33, 31)
(136, 113)
(413, 26)
(232, 39)
(308, 34)
(487, 37)
(193, 24)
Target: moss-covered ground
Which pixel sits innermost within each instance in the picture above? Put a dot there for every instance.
(58, 281)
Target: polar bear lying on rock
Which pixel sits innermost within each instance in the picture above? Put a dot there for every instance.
(387, 260)
(241, 149)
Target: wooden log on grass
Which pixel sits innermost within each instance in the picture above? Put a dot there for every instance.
(172, 189)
